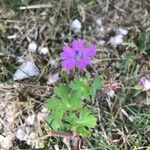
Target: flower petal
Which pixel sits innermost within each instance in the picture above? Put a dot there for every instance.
(68, 64)
(83, 63)
(77, 44)
(67, 53)
(90, 51)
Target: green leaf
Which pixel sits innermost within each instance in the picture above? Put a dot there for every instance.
(127, 62)
(53, 103)
(55, 119)
(15, 4)
(66, 107)
(138, 87)
(81, 87)
(56, 104)
(86, 118)
(130, 95)
(98, 82)
(83, 131)
(62, 91)
(97, 85)
(75, 101)
(143, 41)
(71, 118)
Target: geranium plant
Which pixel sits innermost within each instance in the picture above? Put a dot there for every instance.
(68, 109)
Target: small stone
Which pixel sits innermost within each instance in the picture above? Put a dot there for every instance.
(101, 42)
(111, 93)
(43, 114)
(63, 35)
(76, 26)
(14, 36)
(53, 78)
(20, 59)
(43, 50)
(122, 31)
(53, 62)
(30, 120)
(31, 139)
(56, 147)
(39, 144)
(99, 22)
(6, 142)
(32, 47)
(21, 135)
(116, 40)
(26, 70)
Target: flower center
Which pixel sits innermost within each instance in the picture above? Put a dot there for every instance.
(78, 56)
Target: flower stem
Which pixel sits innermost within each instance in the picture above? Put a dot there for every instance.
(65, 76)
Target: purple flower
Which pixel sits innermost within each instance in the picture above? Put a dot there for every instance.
(77, 55)
(145, 83)
(142, 80)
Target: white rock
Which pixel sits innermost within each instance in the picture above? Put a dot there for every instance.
(43, 114)
(63, 35)
(122, 31)
(43, 50)
(10, 118)
(30, 120)
(21, 135)
(14, 36)
(56, 147)
(53, 62)
(39, 144)
(20, 59)
(111, 93)
(34, 142)
(10, 115)
(146, 85)
(76, 26)
(102, 29)
(31, 139)
(53, 78)
(26, 70)
(101, 42)
(6, 142)
(99, 22)
(44, 109)
(32, 47)
(116, 40)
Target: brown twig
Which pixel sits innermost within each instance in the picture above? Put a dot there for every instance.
(69, 135)
(73, 136)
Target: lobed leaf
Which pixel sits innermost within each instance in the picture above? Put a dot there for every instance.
(62, 91)
(81, 87)
(97, 85)
(86, 118)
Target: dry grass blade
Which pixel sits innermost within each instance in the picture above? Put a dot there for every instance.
(36, 6)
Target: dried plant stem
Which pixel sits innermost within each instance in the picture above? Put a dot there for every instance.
(107, 59)
(72, 136)
(59, 134)
(36, 6)
(5, 125)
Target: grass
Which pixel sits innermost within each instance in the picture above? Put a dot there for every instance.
(124, 122)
